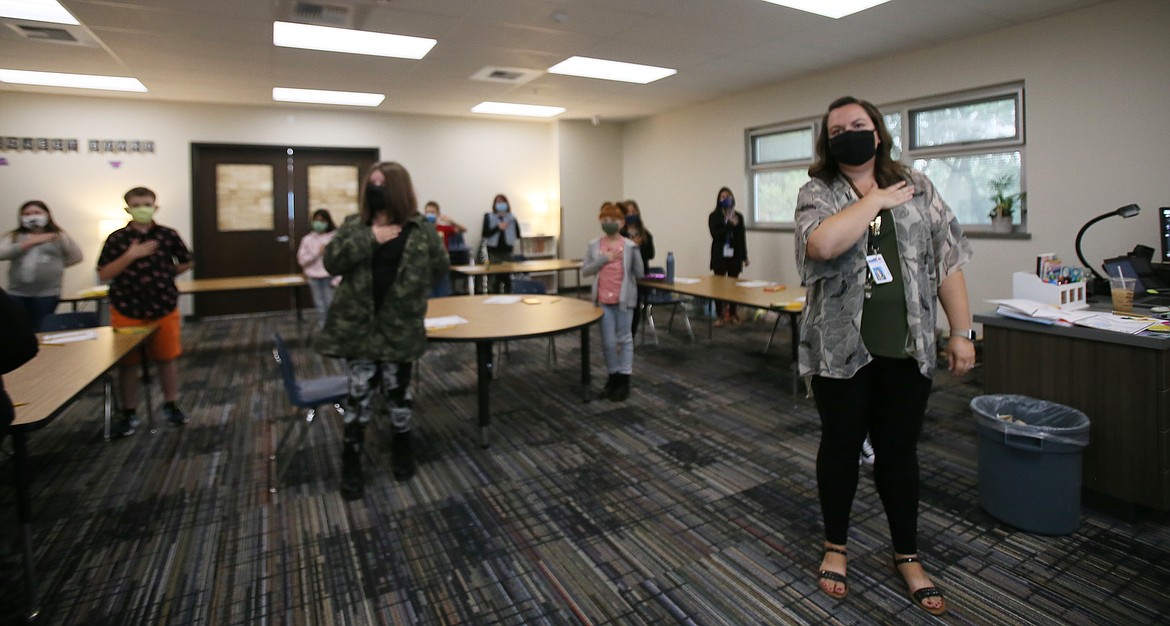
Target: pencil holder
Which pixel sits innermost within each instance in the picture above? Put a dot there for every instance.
(1028, 286)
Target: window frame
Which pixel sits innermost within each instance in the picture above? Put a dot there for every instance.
(909, 151)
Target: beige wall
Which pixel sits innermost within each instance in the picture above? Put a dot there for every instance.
(591, 173)
(1096, 84)
(461, 163)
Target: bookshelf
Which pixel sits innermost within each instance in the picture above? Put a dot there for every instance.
(541, 247)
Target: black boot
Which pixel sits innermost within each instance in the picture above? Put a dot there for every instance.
(352, 481)
(621, 389)
(402, 456)
(607, 391)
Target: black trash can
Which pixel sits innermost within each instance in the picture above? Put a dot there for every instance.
(1030, 462)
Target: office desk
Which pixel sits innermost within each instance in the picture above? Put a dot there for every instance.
(1121, 382)
(42, 389)
(786, 302)
(488, 323)
(516, 267)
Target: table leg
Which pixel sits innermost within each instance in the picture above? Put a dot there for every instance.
(585, 364)
(108, 386)
(470, 284)
(24, 513)
(146, 386)
(483, 366)
(795, 365)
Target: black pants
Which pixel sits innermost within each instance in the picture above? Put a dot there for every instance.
(886, 399)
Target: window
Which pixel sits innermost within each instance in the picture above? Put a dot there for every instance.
(963, 142)
(779, 160)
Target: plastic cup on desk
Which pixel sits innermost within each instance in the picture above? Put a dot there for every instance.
(1122, 289)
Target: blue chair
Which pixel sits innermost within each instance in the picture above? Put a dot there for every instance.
(303, 394)
(658, 298)
(69, 321)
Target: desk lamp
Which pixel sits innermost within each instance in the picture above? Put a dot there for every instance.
(1098, 284)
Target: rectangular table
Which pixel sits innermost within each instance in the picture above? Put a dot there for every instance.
(517, 267)
(1120, 381)
(213, 285)
(788, 301)
(41, 390)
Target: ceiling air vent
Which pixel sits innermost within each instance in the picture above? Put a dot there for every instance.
(46, 33)
(509, 75)
(335, 15)
(66, 34)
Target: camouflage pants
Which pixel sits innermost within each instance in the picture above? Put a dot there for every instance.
(391, 380)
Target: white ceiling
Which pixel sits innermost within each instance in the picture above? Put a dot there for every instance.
(220, 51)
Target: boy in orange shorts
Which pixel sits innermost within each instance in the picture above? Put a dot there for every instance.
(142, 261)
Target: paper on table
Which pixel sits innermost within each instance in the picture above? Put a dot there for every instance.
(502, 300)
(443, 322)
(686, 281)
(286, 280)
(754, 283)
(1034, 309)
(1130, 324)
(70, 337)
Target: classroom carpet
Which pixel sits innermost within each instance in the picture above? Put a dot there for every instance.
(694, 502)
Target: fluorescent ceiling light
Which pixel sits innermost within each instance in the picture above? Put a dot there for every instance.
(611, 70)
(520, 110)
(320, 96)
(291, 35)
(37, 10)
(78, 81)
(829, 8)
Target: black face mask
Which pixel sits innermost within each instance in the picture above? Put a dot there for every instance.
(375, 198)
(853, 147)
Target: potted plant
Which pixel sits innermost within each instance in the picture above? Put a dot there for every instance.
(1005, 203)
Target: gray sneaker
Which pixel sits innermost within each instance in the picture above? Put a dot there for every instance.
(174, 414)
(123, 424)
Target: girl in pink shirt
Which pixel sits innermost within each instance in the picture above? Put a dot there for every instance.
(617, 264)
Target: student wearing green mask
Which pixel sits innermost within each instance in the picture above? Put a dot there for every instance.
(311, 257)
(140, 261)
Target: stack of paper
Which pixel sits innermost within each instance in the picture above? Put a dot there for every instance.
(1033, 311)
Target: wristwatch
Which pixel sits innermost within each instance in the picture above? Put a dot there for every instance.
(968, 334)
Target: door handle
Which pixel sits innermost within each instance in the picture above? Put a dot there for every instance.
(282, 239)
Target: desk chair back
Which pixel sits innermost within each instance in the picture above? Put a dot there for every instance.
(69, 321)
(660, 298)
(307, 394)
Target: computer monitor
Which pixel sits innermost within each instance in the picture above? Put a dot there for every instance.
(1164, 229)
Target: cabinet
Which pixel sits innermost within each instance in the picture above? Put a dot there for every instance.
(1121, 382)
(540, 247)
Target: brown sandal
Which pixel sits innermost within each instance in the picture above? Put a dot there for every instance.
(833, 577)
(924, 593)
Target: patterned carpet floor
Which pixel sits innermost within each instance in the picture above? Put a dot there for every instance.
(692, 503)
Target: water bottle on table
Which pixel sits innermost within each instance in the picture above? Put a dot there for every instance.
(670, 267)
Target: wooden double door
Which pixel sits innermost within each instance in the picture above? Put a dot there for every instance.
(252, 205)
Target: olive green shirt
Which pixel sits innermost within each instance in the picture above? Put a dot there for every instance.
(883, 315)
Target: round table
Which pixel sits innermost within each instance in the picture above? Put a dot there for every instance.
(530, 316)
